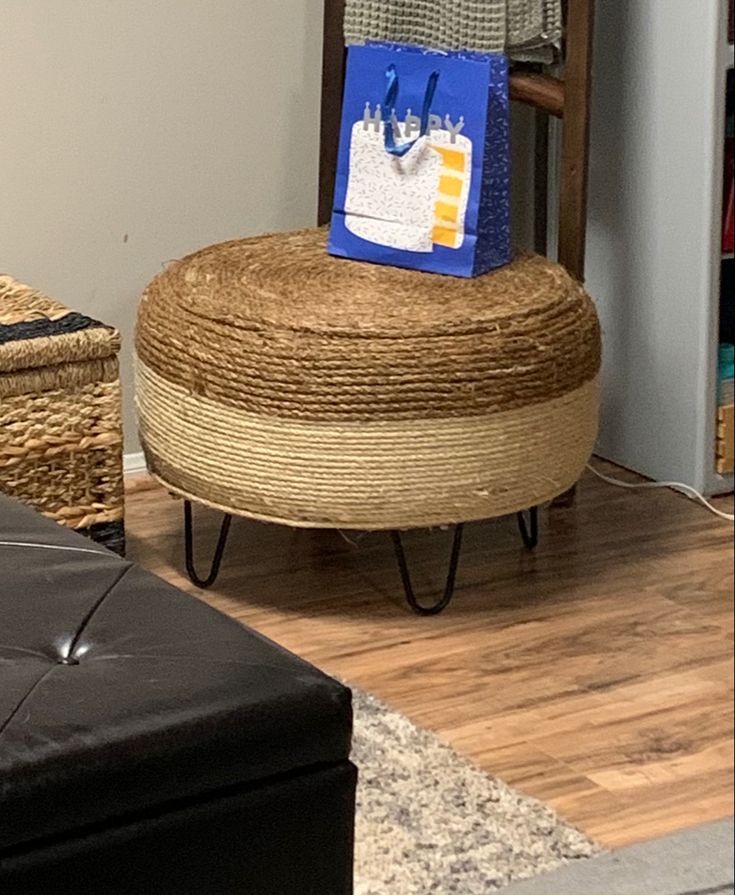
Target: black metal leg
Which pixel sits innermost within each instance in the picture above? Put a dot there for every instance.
(443, 602)
(530, 537)
(189, 547)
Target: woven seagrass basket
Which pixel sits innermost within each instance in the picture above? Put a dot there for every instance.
(280, 383)
(60, 427)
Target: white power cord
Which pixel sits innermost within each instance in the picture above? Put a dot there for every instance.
(676, 486)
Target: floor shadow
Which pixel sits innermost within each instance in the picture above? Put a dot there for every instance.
(607, 542)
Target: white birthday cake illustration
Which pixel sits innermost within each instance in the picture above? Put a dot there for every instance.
(414, 201)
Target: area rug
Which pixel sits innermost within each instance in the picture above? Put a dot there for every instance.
(429, 822)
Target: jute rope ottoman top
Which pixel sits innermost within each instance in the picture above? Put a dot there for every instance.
(277, 382)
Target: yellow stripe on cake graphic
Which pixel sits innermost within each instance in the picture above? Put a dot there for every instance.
(454, 188)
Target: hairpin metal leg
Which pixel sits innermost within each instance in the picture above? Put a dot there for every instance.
(530, 536)
(443, 602)
(189, 547)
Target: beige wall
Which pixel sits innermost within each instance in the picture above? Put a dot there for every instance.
(134, 131)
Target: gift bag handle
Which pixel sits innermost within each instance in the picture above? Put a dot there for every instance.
(391, 96)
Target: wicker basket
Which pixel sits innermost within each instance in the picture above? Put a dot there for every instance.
(60, 427)
(283, 384)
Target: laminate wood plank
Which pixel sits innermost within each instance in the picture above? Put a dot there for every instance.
(647, 813)
(695, 589)
(595, 675)
(573, 711)
(528, 769)
(710, 760)
(623, 744)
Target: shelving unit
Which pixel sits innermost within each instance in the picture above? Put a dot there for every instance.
(723, 478)
(654, 255)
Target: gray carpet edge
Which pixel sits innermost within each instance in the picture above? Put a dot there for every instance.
(695, 861)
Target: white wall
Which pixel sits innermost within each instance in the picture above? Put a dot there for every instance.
(135, 131)
(655, 178)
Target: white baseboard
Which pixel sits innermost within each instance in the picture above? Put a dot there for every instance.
(133, 463)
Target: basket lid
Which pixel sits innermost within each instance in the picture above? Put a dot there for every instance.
(36, 331)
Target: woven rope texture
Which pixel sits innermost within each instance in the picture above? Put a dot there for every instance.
(279, 382)
(273, 325)
(36, 331)
(362, 475)
(60, 427)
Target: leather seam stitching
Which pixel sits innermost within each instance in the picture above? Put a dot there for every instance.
(90, 614)
(24, 698)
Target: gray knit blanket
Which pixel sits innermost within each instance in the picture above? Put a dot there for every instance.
(527, 30)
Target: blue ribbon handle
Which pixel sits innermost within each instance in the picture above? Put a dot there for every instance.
(391, 96)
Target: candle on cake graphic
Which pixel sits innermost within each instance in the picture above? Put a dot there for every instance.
(415, 201)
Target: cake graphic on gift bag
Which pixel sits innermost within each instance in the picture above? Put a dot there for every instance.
(409, 202)
(453, 191)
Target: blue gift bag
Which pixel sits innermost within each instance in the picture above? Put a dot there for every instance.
(423, 175)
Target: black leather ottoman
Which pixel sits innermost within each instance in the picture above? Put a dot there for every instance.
(149, 744)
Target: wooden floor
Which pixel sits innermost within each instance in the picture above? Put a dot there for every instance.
(595, 674)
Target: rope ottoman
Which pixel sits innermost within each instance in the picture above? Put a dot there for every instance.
(279, 383)
(60, 427)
